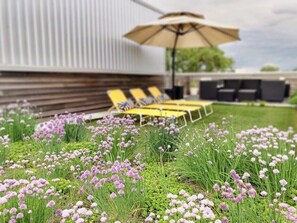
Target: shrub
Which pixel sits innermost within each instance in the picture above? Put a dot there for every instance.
(17, 121)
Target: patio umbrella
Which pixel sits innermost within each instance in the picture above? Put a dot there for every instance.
(178, 30)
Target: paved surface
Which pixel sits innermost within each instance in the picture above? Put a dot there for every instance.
(283, 104)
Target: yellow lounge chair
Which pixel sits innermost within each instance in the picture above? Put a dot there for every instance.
(138, 95)
(117, 96)
(156, 93)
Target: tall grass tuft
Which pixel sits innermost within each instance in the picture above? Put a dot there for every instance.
(267, 155)
(4, 143)
(160, 139)
(75, 129)
(115, 137)
(204, 157)
(116, 187)
(17, 121)
(64, 127)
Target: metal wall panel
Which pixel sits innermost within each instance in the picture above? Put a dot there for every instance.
(75, 35)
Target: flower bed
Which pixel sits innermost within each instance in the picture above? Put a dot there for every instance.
(114, 171)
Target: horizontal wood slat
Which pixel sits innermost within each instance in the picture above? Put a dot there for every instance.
(55, 93)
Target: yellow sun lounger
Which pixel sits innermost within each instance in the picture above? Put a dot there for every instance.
(138, 95)
(117, 96)
(205, 104)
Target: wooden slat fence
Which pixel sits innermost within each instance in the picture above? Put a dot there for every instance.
(54, 93)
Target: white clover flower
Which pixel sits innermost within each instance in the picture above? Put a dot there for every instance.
(181, 210)
(283, 182)
(263, 193)
(198, 217)
(200, 196)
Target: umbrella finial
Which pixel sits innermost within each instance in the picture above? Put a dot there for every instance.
(182, 13)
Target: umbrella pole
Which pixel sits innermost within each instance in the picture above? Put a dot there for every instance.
(173, 63)
(173, 67)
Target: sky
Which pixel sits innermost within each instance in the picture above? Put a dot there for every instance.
(268, 29)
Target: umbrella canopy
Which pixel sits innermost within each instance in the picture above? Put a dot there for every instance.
(182, 30)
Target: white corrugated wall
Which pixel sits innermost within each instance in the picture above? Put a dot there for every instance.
(75, 35)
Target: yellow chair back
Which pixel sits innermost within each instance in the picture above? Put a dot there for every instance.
(116, 96)
(138, 94)
(155, 91)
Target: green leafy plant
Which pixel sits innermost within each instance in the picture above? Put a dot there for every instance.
(262, 103)
(193, 84)
(116, 188)
(4, 144)
(160, 140)
(22, 150)
(62, 185)
(158, 182)
(293, 99)
(75, 132)
(206, 154)
(220, 150)
(80, 145)
(116, 138)
(200, 60)
(17, 121)
(269, 68)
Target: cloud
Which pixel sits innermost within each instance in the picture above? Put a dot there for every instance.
(267, 28)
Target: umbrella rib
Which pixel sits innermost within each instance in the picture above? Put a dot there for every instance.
(197, 29)
(180, 33)
(151, 36)
(228, 34)
(136, 30)
(171, 30)
(188, 31)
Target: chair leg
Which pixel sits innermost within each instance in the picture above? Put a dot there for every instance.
(205, 110)
(199, 117)
(191, 116)
(140, 120)
(114, 112)
(185, 121)
(111, 108)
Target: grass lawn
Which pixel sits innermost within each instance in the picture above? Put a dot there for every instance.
(245, 117)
